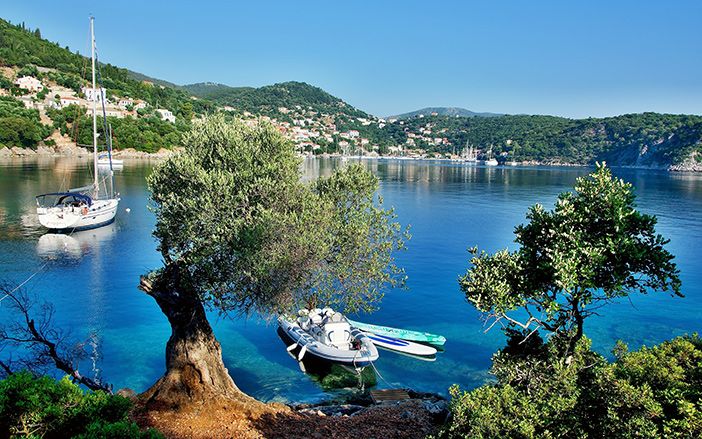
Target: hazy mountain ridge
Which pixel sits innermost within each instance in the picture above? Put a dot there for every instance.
(444, 111)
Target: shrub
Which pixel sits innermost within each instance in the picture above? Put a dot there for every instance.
(653, 392)
(43, 407)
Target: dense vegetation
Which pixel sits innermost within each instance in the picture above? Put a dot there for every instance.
(656, 138)
(267, 99)
(651, 393)
(444, 111)
(19, 126)
(32, 406)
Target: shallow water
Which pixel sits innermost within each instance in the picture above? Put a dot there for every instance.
(91, 276)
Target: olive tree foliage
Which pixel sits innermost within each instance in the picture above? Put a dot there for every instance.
(592, 248)
(248, 235)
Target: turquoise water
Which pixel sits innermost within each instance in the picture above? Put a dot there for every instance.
(91, 277)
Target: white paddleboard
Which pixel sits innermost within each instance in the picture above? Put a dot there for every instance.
(395, 344)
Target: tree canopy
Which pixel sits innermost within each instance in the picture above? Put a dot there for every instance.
(592, 248)
(233, 209)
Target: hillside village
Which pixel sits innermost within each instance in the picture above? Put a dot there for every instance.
(313, 132)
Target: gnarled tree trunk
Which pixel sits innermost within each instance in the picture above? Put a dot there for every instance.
(194, 367)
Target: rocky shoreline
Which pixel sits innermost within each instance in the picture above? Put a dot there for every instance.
(71, 150)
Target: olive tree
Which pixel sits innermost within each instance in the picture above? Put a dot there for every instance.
(240, 232)
(592, 248)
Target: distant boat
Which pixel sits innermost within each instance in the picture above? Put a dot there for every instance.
(468, 155)
(491, 161)
(82, 208)
(105, 160)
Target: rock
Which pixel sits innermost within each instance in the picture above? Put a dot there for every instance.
(45, 150)
(22, 151)
(435, 408)
(127, 393)
(406, 415)
(5, 152)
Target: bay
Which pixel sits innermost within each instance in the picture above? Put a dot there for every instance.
(91, 277)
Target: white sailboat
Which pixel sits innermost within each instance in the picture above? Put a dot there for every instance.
(491, 161)
(468, 155)
(82, 208)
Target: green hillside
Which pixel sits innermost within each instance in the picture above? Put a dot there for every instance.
(268, 99)
(648, 139)
(444, 111)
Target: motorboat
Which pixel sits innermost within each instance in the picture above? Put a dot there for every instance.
(327, 334)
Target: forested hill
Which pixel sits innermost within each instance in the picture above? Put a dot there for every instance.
(22, 47)
(444, 111)
(270, 98)
(648, 139)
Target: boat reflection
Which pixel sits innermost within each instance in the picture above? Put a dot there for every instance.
(57, 246)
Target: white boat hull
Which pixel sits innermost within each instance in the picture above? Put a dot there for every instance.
(69, 218)
(115, 162)
(352, 357)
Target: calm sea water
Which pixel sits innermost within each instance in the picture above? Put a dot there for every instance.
(91, 276)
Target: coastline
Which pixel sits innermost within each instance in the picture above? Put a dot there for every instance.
(71, 150)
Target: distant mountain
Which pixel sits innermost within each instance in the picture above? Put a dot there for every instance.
(143, 78)
(268, 99)
(444, 111)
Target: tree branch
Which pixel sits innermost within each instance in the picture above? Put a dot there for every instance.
(43, 342)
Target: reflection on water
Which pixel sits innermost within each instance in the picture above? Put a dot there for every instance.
(56, 246)
(91, 276)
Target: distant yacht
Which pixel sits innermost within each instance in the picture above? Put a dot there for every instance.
(468, 155)
(491, 161)
(82, 208)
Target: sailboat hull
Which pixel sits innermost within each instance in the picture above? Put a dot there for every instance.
(69, 218)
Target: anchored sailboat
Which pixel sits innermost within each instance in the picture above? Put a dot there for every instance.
(491, 161)
(468, 154)
(82, 208)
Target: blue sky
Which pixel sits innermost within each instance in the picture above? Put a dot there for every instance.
(574, 59)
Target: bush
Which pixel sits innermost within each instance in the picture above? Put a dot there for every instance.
(43, 407)
(653, 392)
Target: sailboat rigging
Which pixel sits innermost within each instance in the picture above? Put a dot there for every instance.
(83, 208)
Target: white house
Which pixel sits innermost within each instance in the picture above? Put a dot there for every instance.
(139, 104)
(166, 115)
(92, 94)
(114, 112)
(68, 100)
(29, 83)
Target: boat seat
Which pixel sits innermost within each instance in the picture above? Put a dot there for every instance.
(338, 334)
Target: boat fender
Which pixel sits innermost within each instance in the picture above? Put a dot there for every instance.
(292, 347)
(302, 353)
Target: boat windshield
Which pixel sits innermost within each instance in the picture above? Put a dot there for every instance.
(64, 199)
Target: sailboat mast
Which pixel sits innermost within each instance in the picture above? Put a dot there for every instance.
(92, 56)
